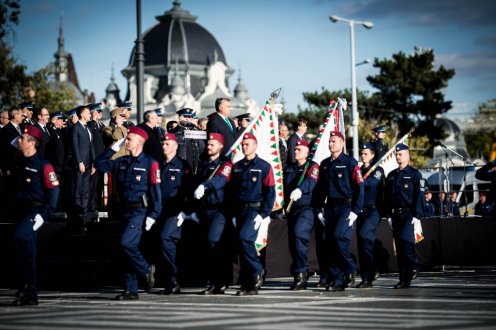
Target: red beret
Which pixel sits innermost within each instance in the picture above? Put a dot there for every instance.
(249, 136)
(33, 131)
(337, 133)
(170, 136)
(139, 131)
(302, 142)
(217, 137)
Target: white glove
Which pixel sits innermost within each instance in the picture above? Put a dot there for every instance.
(352, 217)
(320, 216)
(199, 192)
(234, 222)
(149, 223)
(38, 221)
(118, 145)
(258, 221)
(414, 220)
(295, 194)
(390, 222)
(180, 218)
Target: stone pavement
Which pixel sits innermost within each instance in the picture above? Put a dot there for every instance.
(454, 299)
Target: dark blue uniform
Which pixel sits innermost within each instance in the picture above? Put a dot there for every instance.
(37, 191)
(175, 186)
(252, 183)
(380, 147)
(138, 182)
(404, 199)
(368, 221)
(430, 209)
(301, 217)
(341, 183)
(213, 220)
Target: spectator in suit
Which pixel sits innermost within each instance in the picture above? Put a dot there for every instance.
(283, 144)
(42, 118)
(96, 128)
(299, 134)
(83, 157)
(219, 122)
(9, 155)
(152, 146)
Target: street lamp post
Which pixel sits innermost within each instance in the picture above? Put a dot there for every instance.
(354, 113)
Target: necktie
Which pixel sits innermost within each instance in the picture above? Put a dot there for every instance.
(46, 131)
(229, 124)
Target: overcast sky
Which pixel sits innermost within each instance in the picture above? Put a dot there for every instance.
(277, 43)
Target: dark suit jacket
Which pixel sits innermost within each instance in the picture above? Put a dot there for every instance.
(45, 141)
(97, 140)
(152, 146)
(216, 124)
(82, 148)
(8, 153)
(291, 146)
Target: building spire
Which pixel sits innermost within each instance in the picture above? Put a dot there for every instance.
(61, 60)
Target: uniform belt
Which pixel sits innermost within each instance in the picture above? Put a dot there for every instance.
(401, 210)
(133, 205)
(251, 205)
(368, 208)
(338, 201)
(35, 204)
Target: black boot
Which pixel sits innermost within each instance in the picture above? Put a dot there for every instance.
(258, 280)
(300, 282)
(349, 280)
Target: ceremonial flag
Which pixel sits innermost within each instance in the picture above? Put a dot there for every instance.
(333, 122)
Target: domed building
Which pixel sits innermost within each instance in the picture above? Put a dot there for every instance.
(454, 140)
(184, 66)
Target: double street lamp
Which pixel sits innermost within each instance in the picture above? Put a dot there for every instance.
(354, 113)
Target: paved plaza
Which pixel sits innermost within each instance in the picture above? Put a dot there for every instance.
(453, 299)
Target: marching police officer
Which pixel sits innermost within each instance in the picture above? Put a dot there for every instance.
(369, 218)
(300, 179)
(176, 183)
(252, 183)
(37, 190)
(138, 181)
(380, 146)
(404, 200)
(211, 178)
(341, 182)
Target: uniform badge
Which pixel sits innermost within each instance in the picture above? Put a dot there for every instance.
(52, 176)
(315, 172)
(28, 179)
(157, 175)
(226, 171)
(377, 175)
(340, 175)
(254, 178)
(406, 186)
(173, 178)
(138, 177)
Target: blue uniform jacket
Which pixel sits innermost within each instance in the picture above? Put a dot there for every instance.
(175, 184)
(292, 177)
(137, 178)
(253, 181)
(340, 179)
(405, 189)
(214, 187)
(373, 186)
(37, 183)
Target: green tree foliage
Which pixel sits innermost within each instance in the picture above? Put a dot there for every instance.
(410, 87)
(480, 135)
(15, 84)
(50, 94)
